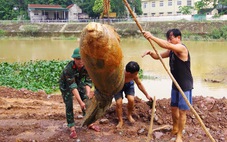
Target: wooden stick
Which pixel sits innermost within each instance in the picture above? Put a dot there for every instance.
(151, 122)
(171, 76)
(162, 127)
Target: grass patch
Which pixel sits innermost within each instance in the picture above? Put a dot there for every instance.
(2, 33)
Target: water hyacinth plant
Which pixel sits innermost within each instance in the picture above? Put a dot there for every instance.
(32, 75)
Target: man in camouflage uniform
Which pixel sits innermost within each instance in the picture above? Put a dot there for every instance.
(74, 81)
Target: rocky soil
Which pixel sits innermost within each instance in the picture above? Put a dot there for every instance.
(37, 117)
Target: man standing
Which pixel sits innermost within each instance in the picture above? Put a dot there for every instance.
(74, 81)
(131, 76)
(179, 62)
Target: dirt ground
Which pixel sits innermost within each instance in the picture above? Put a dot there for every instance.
(37, 117)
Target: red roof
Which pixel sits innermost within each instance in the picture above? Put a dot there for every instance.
(43, 6)
(71, 5)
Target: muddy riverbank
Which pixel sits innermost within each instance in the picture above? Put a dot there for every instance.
(37, 117)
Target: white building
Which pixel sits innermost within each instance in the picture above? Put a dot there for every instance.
(75, 13)
(55, 13)
(165, 7)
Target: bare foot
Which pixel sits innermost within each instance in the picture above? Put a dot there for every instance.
(119, 125)
(179, 138)
(131, 119)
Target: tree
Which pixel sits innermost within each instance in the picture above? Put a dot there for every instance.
(199, 5)
(98, 6)
(222, 5)
(138, 9)
(86, 6)
(223, 2)
(7, 6)
(13, 9)
(118, 7)
(186, 10)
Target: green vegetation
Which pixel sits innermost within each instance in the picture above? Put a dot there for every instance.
(2, 33)
(142, 76)
(29, 30)
(219, 33)
(62, 37)
(33, 75)
(186, 10)
(18, 9)
(98, 6)
(140, 73)
(216, 34)
(200, 5)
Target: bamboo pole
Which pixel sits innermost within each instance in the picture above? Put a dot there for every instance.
(151, 122)
(171, 76)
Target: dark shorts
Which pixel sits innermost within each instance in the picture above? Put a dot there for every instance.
(177, 99)
(128, 89)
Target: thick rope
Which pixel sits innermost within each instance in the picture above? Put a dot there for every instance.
(171, 76)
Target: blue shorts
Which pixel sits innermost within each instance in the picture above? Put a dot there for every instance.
(128, 89)
(177, 99)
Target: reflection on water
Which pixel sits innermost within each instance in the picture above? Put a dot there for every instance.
(209, 61)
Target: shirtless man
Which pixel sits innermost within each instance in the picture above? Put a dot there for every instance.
(131, 76)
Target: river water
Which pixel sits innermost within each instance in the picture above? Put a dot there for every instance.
(209, 62)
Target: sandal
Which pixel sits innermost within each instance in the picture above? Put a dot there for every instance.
(73, 134)
(94, 127)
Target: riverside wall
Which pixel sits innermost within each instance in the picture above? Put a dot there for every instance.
(124, 29)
